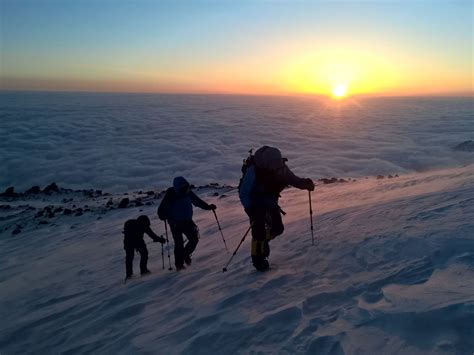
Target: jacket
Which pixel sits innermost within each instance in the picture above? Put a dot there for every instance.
(254, 192)
(177, 205)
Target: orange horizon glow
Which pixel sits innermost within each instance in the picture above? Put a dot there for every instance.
(120, 86)
(304, 72)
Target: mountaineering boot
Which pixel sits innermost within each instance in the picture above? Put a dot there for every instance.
(187, 260)
(260, 263)
(180, 267)
(266, 249)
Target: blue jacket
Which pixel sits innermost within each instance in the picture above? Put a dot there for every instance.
(178, 201)
(254, 193)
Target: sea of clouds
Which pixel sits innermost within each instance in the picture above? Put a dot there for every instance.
(138, 141)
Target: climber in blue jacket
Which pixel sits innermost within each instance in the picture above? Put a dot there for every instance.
(177, 208)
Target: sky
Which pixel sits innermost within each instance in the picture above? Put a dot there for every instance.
(250, 47)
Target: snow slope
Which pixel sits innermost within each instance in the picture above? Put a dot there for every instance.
(391, 273)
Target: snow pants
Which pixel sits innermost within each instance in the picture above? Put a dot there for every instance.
(190, 230)
(266, 225)
(130, 253)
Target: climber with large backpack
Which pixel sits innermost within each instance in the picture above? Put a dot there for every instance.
(265, 175)
(133, 232)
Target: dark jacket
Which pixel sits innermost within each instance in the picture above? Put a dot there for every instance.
(134, 232)
(259, 189)
(266, 178)
(178, 201)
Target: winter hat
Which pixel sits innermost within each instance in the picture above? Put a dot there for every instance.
(143, 220)
(180, 183)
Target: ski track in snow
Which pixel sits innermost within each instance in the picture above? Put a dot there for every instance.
(391, 273)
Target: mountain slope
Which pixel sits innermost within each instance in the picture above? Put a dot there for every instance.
(390, 272)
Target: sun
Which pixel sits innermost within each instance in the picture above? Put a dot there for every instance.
(339, 91)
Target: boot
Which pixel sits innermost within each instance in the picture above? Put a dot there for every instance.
(260, 263)
(180, 267)
(187, 260)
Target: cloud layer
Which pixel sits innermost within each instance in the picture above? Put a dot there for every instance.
(120, 141)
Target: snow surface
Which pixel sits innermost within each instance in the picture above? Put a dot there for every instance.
(120, 142)
(391, 273)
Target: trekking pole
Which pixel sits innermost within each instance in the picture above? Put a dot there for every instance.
(311, 217)
(162, 257)
(168, 246)
(220, 229)
(238, 246)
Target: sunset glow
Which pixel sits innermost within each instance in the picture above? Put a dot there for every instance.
(198, 48)
(339, 91)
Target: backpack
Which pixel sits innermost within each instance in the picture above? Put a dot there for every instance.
(247, 162)
(270, 181)
(130, 228)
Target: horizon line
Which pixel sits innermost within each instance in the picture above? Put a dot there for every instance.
(224, 93)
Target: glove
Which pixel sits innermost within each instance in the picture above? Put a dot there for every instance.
(160, 240)
(212, 206)
(309, 184)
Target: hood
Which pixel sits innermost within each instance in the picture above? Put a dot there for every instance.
(179, 183)
(269, 158)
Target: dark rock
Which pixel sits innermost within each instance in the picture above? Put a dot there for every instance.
(467, 146)
(124, 203)
(215, 194)
(10, 192)
(379, 177)
(223, 196)
(43, 222)
(50, 214)
(328, 181)
(396, 175)
(98, 192)
(149, 203)
(40, 214)
(109, 203)
(390, 176)
(51, 188)
(34, 190)
(67, 211)
(16, 231)
(138, 203)
(342, 180)
(58, 209)
(150, 193)
(5, 207)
